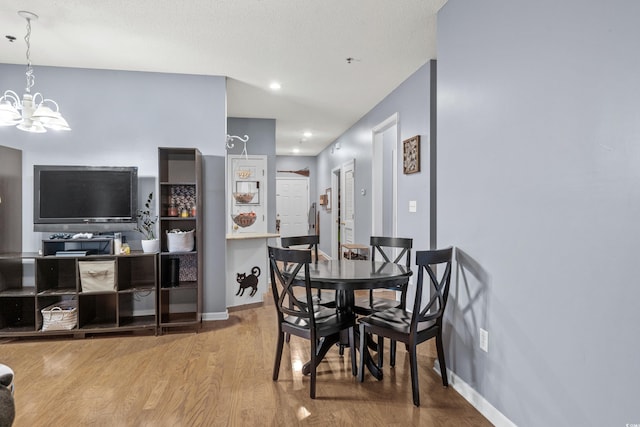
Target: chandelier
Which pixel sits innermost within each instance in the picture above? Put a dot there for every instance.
(32, 113)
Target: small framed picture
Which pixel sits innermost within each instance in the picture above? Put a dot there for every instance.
(411, 155)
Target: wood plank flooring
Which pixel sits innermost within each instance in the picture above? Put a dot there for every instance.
(220, 376)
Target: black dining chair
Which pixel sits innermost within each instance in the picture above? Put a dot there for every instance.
(382, 250)
(300, 316)
(311, 242)
(423, 322)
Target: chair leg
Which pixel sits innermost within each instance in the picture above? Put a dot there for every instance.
(288, 337)
(352, 350)
(380, 350)
(371, 343)
(363, 348)
(413, 360)
(276, 365)
(312, 385)
(392, 353)
(443, 366)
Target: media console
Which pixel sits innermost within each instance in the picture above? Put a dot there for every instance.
(93, 246)
(30, 282)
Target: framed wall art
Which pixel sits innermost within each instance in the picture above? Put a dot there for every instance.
(411, 155)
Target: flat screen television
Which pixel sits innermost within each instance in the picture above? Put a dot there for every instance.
(84, 198)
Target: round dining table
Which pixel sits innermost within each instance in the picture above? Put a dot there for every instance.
(346, 276)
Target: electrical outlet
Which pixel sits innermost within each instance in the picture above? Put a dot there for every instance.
(484, 340)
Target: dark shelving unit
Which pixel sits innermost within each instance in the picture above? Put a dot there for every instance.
(180, 289)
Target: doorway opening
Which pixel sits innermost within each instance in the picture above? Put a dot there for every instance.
(292, 206)
(384, 188)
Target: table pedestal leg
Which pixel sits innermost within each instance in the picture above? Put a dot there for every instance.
(344, 302)
(325, 345)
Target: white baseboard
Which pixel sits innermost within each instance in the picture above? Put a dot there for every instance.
(489, 411)
(322, 254)
(219, 315)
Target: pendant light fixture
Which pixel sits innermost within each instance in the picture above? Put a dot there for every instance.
(32, 113)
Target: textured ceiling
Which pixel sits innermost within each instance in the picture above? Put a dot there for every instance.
(303, 44)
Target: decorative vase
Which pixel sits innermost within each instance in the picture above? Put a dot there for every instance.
(150, 246)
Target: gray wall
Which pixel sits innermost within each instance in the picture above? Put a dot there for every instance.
(120, 118)
(411, 100)
(539, 188)
(262, 141)
(215, 248)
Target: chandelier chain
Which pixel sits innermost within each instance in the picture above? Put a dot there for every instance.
(30, 77)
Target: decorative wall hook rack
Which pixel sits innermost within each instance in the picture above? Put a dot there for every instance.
(243, 139)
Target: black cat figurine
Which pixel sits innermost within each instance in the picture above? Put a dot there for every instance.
(250, 281)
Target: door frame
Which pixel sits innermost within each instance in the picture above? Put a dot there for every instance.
(335, 211)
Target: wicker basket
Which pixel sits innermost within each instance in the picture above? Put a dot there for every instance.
(244, 219)
(243, 197)
(61, 316)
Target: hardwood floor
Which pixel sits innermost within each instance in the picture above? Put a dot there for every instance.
(220, 376)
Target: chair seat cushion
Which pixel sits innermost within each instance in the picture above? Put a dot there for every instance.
(396, 319)
(326, 319)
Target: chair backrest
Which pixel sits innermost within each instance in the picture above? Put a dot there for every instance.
(285, 265)
(312, 241)
(385, 245)
(432, 262)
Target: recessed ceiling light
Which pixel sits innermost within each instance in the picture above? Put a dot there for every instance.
(308, 134)
(275, 86)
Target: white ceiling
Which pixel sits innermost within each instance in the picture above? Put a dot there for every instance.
(303, 44)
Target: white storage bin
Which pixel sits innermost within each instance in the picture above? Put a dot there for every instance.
(180, 241)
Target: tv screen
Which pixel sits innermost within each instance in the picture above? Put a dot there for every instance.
(84, 198)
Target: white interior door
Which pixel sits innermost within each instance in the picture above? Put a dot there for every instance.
(247, 175)
(347, 202)
(292, 206)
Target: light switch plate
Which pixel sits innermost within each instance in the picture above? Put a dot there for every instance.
(484, 340)
(413, 206)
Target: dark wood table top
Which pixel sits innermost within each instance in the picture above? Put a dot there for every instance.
(350, 275)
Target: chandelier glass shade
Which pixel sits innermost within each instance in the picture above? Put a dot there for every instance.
(33, 112)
